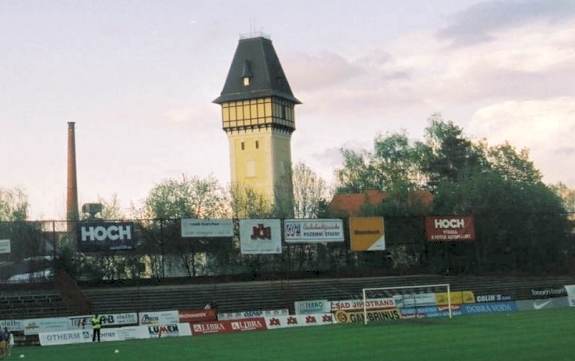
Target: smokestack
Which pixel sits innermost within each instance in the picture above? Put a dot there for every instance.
(72, 189)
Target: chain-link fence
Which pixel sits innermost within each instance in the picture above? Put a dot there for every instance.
(38, 249)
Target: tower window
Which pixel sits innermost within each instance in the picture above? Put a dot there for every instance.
(257, 144)
(243, 146)
(247, 81)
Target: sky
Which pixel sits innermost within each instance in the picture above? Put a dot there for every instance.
(138, 77)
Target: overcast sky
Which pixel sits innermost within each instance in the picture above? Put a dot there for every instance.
(138, 78)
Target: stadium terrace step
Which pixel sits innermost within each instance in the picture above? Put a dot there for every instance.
(280, 294)
(254, 295)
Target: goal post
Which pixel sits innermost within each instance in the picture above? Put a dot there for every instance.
(407, 295)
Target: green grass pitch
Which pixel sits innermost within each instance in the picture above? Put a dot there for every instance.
(526, 336)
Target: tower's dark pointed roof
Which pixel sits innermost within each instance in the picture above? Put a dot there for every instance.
(256, 59)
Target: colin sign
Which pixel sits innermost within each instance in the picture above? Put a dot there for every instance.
(450, 228)
(106, 236)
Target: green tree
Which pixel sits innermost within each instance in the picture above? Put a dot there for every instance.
(394, 165)
(519, 225)
(111, 209)
(187, 197)
(520, 222)
(356, 174)
(310, 192)
(513, 165)
(446, 155)
(180, 198)
(567, 195)
(13, 205)
(246, 202)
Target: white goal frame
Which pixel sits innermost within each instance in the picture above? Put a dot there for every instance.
(365, 290)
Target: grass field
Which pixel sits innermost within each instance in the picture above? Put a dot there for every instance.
(527, 336)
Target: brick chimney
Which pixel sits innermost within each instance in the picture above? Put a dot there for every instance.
(72, 187)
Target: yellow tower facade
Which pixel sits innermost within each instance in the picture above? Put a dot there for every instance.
(257, 107)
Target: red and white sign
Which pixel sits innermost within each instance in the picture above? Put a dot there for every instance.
(450, 228)
(319, 319)
(207, 328)
(197, 316)
(371, 304)
(248, 324)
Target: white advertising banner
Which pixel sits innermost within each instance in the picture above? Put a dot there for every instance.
(38, 325)
(312, 307)
(313, 230)
(108, 320)
(132, 332)
(76, 336)
(159, 318)
(251, 314)
(260, 236)
(570, 294)
(206, 228)
(12, 325)
(372, 304)
(115, 334)
(320, 319)
(5, 246)
(416, 299)
(173, 330)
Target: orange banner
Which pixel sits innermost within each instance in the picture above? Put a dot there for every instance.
(367, 233)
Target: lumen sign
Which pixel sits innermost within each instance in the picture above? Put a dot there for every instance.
(106, 236)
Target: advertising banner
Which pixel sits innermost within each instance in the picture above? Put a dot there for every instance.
(206, 328)
(251, 314)
(260, 236)
(367, 234)
(106, 236)
(158, 318)
(545, 303)
(415, 299)
(4, 246)
(38, 325)
(497, 297)
(115, 334)
(429, 311)
(475, 308)
(372, 316)
(321, 319)
(12, 325)
(75, 336)
(196, 316)
(132, 332)
(313, 230)
(548, 292)
(570, 294)
(65, 337)
(309, 307)
(108, 320)
(173, 330)
(457, 298)
(450, 228)
(248, 324)
(372, 303)
(207, 228)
